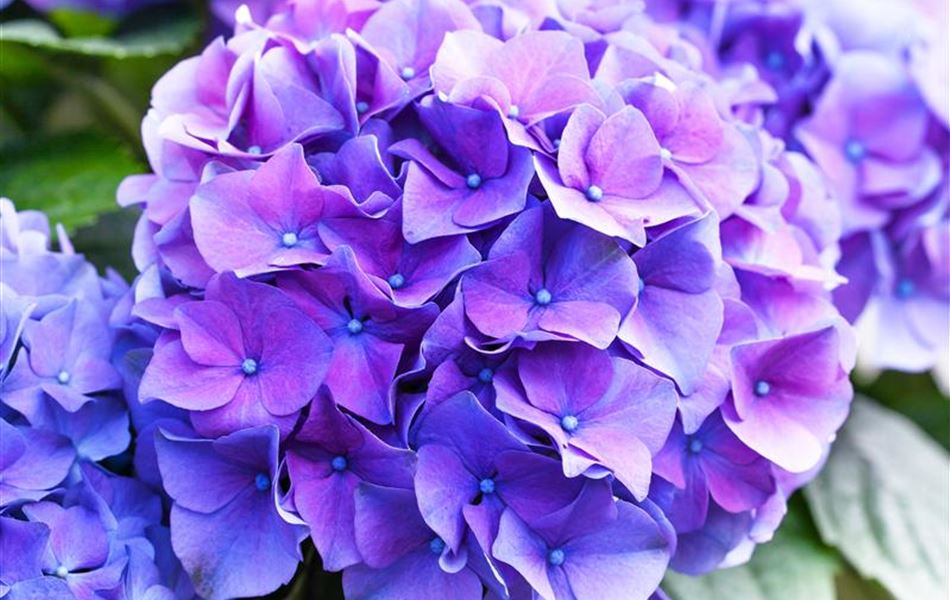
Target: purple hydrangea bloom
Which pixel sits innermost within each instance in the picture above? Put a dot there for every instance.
(32, 462)
(789, 396)
(66, 357)
(239, 359)
(617, 422)
(554, 282)
(226, 528)
(369, 332)
(329, 457)
(618, 195)
(583, 550)
(711, 464)
(482, 179)
(252, 222)
(402, 555)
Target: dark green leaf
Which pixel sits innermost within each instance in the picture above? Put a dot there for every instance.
(793, 566)
(882, 502)
(72, 177)
(107, 243)
(170, 35)
(916, 396)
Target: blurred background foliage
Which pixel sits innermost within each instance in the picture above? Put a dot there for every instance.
(73, 89)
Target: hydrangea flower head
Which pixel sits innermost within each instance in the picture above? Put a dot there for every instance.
(514, 298)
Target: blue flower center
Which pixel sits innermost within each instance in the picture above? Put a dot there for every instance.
(666, 154)
(61, 571)
(855, 151)
(695, 445)
(262, 482)
(904, 289)
(339, 463)
(486, 375)
(249, 366)
(396, 281)
(362, 107)
(355, 326)
(487, 485)
(774, 60)
(473, 181)
(762, 388)
(594, 193)
(437, 545)
(542, 297)
(514, 111)
(63, 377)
(289, 239)
(569, 423)
(254, 150)
(640, 285)
(407, 73)
(557, 142)
(556, 557)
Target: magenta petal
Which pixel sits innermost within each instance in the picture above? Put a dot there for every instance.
(210, 334)
(173, 377)
(444, 486)
(634, 173)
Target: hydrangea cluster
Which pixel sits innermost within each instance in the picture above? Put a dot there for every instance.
(503, 299)
(862, 89)
(70, 527)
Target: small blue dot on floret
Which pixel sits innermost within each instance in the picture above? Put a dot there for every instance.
(262, 482)
(249, 366)
(362, 107)
(396, 281)
(254, 150)
(640, 285)
(695, 445)
(542, 297)
(63, 377)
(61, 571)
(339, 463)
(437, 545)
(855, 151)
(289, 239)
(762, 388)
(556, 557)
(594, 193)
(407, 73)
(569, 423)
(486, 375)
(487, 486)
(774, 60)
(473, 181)
(354, 326)
(904, 289)
(514, 111)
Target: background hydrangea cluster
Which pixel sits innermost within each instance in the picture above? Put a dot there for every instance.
(480, 300)
(69, 527)
(864, 89)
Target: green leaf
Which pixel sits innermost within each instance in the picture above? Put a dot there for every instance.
(107, 243)
(72, 177)
(168, 35)
(75, 23)
(916, 396)
(793, 566)
(882, 502)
